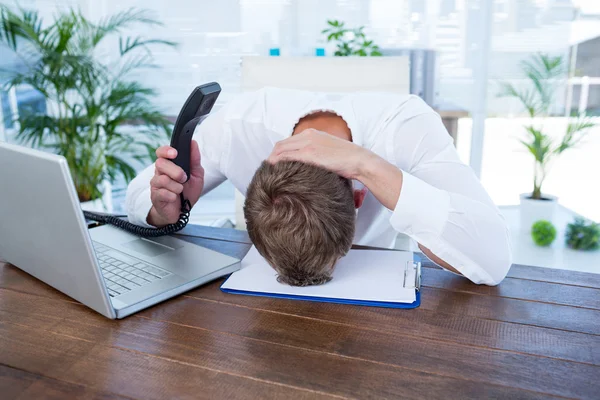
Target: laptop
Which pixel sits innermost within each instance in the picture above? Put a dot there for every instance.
(44, 233)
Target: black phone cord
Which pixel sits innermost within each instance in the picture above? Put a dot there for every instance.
(184, 218)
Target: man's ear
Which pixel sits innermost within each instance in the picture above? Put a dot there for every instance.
(359, 197)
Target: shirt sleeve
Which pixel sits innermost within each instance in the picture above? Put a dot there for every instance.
(212, 137)
(444, 207)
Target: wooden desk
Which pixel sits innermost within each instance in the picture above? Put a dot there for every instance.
(536, 335)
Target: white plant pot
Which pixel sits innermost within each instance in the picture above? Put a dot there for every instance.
(103, 204)
(532, 210)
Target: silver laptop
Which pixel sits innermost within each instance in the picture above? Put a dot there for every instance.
(43, 232)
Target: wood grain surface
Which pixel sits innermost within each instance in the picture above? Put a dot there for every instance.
(536, 335)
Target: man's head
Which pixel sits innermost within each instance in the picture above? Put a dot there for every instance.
(301, 219)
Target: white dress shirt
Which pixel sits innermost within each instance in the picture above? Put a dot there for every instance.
(442, 204)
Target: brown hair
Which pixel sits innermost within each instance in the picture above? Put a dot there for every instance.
(301, 219)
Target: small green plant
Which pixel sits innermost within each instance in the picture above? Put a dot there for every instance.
(545, 75)
(583, 236)
(543, 233)
(350, 42)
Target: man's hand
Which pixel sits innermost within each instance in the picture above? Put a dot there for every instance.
(320, 148)
(345, 158)
(167, 184)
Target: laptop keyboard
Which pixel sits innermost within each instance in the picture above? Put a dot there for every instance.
(123, 273)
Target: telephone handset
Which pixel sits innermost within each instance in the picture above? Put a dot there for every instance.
(198, 105)
(195, 109)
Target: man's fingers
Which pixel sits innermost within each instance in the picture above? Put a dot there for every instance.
(164, 182)
(289, 145)
(163, 195)
(289, 156)
(195, 153)
(295, 142)
(166, 152)
(166, 167)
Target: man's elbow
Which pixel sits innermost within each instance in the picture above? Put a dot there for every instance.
(489, 255)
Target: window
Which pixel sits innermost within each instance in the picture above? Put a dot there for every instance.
(6, 111)
(30, 100)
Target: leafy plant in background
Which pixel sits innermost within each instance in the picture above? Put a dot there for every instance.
(89, 92)
(583, 236)
(544, 73)
(350, 42)
(543, 233)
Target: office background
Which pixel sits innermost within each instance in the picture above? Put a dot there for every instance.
(213, 36)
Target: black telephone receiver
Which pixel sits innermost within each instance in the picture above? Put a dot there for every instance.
(198, 105)
(196, 108)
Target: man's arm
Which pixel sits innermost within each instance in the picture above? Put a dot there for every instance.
(384, 180)
(442, 205)
(439, 202)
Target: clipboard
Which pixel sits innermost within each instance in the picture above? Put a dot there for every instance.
(411, 278)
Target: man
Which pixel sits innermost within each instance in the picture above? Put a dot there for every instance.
(394, 145)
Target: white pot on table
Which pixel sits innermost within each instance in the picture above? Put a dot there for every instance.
(532, 210)
(102, 204)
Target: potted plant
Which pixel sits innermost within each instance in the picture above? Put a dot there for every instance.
(581, 235)
(91, 99)
(543, 233)
(544, 74)
(349, 42)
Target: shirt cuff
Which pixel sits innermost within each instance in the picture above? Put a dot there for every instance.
(422, 209)
(141, 208)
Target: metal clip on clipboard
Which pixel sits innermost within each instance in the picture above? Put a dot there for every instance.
(412, 269)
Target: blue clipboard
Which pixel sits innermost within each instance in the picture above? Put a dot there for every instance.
(416, 265)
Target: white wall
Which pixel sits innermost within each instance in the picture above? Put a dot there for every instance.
(508, 167)
(214, 34)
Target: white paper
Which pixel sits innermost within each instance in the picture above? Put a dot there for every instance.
(363, 275)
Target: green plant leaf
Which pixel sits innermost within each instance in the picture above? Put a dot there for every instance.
(26, 25)
(575, 132)
(581, 235)
(129, 44)
(539, 144)
(543, 233)
(93, 99)
(544, 74)
(358, 45)
(116, 164)
(525, 96)
(117, 22)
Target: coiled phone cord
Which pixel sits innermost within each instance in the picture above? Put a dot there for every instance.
(184, 218)
(195, 109)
